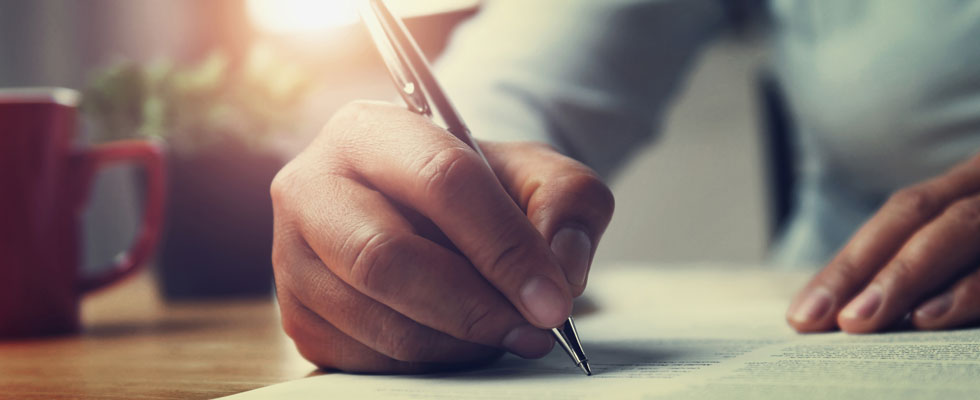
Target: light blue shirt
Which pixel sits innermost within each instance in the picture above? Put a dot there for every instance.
(885, 93)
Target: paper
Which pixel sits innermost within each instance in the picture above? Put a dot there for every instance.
(694, 333)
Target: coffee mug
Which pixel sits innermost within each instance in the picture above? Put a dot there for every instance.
(44, 185)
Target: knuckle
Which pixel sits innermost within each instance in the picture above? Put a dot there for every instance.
(373, 259)
(352, 121)
(966, 212)
(593, 192)
(447, 171)
(476, 322)
(292, 324)
(506, 259)
(357, 118)
(915, 202)
(843, 271)
(352, 113)
(902, 270)
(279, 188)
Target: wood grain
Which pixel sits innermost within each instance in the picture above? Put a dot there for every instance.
(135, 346)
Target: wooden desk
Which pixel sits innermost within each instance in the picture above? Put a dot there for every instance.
(134, 346)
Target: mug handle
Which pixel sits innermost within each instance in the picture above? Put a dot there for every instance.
(150, 156)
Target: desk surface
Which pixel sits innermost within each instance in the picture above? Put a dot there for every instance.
(694, 333)
(134, 346)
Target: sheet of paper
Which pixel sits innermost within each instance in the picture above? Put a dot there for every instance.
(694, 333)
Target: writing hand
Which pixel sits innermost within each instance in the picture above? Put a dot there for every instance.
(397, 249)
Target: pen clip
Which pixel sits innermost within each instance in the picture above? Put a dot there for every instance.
(411, 71)
(406, 80)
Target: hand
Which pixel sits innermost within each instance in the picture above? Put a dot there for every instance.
(919, 256)
(397, 249)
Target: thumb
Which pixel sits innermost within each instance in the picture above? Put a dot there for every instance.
(565, 200)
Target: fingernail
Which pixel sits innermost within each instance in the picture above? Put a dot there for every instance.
(863, 306)
(812, 307)
(936, 307)
(545, 301)
(573, 248)
(528, 342)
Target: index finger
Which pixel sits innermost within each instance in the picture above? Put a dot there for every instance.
(412, 160)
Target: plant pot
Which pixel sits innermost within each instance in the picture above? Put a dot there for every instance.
(218, 237)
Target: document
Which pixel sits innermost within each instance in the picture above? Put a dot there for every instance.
(694, 332)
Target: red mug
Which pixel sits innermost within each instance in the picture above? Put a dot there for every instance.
(44, 184)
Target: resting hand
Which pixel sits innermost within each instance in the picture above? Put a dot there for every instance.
(397, 249)
(919, 256)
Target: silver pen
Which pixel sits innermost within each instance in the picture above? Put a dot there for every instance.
(417, 85)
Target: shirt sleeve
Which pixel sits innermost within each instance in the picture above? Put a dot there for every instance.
(591, 77)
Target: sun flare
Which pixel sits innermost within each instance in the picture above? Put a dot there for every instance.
(313, 16)
(301, 16)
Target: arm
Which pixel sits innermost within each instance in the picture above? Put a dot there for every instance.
(592, 78)
(398, 250)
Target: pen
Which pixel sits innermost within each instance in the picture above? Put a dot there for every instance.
(417, 85)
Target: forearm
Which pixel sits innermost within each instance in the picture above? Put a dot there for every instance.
(591, 78)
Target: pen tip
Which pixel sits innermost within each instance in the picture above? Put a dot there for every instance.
(586, 368)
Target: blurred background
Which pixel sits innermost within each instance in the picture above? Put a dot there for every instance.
(237, 87)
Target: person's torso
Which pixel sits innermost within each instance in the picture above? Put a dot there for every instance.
(885, 92)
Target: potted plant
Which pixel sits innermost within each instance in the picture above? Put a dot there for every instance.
(221, 121)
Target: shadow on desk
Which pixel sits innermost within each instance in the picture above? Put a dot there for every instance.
(617, 358)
